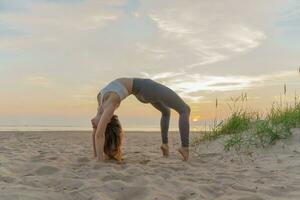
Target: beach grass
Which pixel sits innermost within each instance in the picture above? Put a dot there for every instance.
(266, 131)
(246, 128)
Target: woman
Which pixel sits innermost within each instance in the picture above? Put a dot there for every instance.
(146, 91)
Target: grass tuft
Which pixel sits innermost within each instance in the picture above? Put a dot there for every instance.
(264, 132)
(246, 129)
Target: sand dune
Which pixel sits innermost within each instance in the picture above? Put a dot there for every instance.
(59, 165)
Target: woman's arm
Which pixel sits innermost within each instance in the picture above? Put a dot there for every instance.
(94, 142)
(100, 132)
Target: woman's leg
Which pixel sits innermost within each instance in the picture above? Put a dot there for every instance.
(152, 91)
(164, 126)
(184, 125)
(164, 121)
(170, 99)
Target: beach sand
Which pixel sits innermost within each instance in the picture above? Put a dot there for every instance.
(60, 165)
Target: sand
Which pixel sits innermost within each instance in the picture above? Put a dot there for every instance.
(60, 165)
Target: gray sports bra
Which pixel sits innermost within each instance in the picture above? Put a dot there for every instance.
(114, 86)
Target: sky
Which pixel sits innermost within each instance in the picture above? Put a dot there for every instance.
(55, 56)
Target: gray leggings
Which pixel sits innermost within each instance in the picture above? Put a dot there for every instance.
(163, 98)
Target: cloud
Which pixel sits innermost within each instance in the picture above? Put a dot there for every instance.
(170, 34)
(156, 53)
(162, 76)
(199, 33)
(38, 80)
(48, 22)
(196, 83)
(191, 86)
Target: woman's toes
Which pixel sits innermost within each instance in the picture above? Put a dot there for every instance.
(184, 153)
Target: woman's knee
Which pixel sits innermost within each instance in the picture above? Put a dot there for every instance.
(186, 109)
(166, 112)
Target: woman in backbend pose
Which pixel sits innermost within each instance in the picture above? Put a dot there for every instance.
(107, 132)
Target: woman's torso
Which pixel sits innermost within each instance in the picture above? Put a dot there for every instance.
(127, 82)
(117, 90)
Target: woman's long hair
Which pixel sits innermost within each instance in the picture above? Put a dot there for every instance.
(113, 139)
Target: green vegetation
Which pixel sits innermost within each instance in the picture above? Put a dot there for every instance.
(246, 128)
(264, 132)
(239, 121)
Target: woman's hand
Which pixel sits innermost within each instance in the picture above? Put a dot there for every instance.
(101, 158)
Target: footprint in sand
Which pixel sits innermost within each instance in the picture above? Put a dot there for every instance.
(162, 196)
(83, 160)
(125, 191)
(144, 162)
(132, 192)
(7, 179)
(116, 176)
(211, 191)
(37, 158)
(46, 170)
(52, 158)
(69, 185)
(188, 194)
(244, 188)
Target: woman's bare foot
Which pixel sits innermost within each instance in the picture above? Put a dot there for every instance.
(184, 151)
(165, 150)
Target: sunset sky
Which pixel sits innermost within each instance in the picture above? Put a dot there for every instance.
(55, 56)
